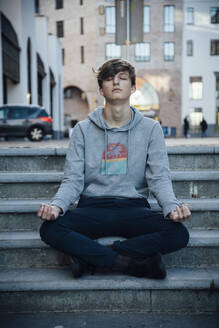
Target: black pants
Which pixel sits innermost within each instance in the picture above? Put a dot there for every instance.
(146, 231)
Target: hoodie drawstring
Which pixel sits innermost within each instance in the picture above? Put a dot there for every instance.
(128, 149)
(105, 146)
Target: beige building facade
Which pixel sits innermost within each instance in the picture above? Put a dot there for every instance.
(86, 30)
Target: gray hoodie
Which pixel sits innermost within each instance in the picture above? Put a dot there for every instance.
(117, 162)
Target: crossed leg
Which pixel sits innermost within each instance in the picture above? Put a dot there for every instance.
(146, 233)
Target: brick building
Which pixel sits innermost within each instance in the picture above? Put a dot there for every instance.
(87, 29)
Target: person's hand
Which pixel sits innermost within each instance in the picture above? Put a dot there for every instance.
(49, 212)
(181, 214)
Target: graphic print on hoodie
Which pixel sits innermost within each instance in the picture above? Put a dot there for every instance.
(114, 159)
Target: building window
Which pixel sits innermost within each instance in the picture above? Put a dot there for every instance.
(190, 16)
(142, 51)
(214, 13)
(82, 25)
(60, 29)
(81, 2)
(217, 86)
(189, 48)
(82, 54)
(146, 19)
(168, 51)
(195, 87)
(37, 6)
(113, 51)
(59, 4)
(68, 93)
(195, 118)
(217, 101)
(214, 47)
(63, 56)
(29, 70)
(168, 18)
(110, 20)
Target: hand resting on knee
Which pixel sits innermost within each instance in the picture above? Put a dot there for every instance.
(49, 212)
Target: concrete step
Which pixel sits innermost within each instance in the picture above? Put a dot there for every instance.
(25, 249)
(109, 319)
(31, 160)
(43, 290)
(186, 184)
(193, 157)
(180, 157)
(20, 214)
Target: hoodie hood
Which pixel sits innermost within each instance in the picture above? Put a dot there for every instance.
(97, 118)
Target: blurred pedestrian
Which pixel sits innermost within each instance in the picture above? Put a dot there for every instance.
(204, 127)
(186, 126)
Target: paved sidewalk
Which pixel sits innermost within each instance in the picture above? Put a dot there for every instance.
(109, 320)
(21, 143)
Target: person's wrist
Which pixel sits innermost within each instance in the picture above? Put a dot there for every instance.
(58, 208)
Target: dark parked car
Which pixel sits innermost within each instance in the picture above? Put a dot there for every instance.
(28, 121)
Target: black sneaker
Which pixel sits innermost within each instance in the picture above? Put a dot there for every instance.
(76, 267)
(151, 267)
(79, 267)
(157, 268)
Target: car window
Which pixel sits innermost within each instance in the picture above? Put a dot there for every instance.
(43, 113)
(17, 113)
(33, 112)
(2, 114)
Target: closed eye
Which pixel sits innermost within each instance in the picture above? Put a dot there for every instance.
(109, 78)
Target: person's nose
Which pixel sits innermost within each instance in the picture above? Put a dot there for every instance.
(115, 80)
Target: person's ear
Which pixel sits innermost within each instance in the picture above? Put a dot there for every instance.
(101, 91)
(133, 88)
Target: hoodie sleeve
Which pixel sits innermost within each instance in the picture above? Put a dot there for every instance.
(157, 172)
(73, 181)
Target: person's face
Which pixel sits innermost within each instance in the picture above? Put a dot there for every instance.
(117, 87)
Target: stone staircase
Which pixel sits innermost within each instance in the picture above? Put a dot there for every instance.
(34, 277)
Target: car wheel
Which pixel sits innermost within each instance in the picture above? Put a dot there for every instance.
(36, 133)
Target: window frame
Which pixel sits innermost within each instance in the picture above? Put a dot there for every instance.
(216, 52)
(217, 15)
(36, 6)
(187, 48)
(82, 54)
(81, 25)
(167, 25)
(59, 4)
(60, 28)
(148, 25)
(190, 10)
(63, 56)
(165, 56)
(191, 88)
(143, 58)
(110, 57)
(111, 27)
